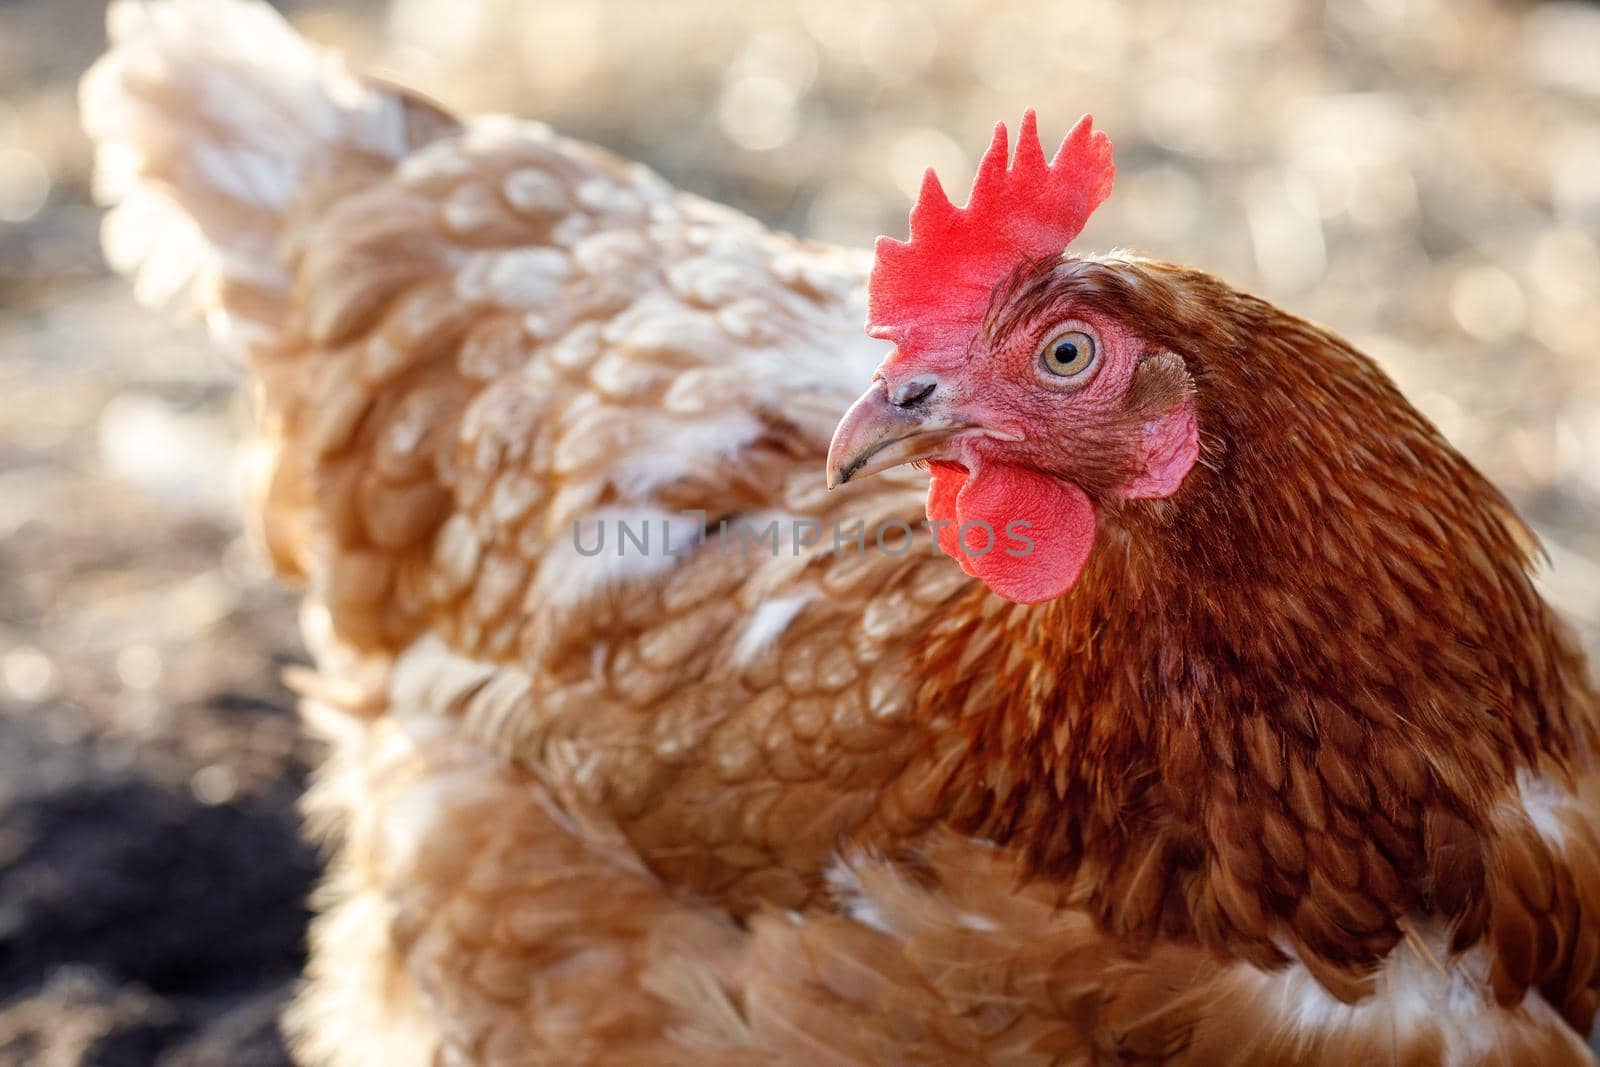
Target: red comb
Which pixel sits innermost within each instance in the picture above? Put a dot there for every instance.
(937, 286)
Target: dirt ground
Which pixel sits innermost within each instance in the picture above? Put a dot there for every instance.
(1424, 175)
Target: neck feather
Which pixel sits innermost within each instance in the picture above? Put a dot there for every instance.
(1329, 630)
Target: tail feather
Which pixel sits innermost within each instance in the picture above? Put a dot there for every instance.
(211, 118)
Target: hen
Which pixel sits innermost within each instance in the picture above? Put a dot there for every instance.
(1210, 719)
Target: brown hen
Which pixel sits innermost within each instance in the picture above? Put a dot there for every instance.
(646, 748)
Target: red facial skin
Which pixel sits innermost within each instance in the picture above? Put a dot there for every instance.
(1044, 449)
(968, 302)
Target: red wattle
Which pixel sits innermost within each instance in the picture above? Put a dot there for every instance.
(1038, 529)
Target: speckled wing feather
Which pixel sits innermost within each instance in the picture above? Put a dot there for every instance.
(464, 342)
(509, 350)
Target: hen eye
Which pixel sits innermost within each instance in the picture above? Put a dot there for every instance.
(1068, 355)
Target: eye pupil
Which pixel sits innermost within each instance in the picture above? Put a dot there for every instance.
(1066, 352)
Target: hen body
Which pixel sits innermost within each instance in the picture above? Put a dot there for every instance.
(732, 790)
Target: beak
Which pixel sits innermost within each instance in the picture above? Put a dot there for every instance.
(883, 430)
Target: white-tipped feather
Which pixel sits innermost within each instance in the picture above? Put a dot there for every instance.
(209, 116)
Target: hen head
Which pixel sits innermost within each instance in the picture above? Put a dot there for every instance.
(1030, 407)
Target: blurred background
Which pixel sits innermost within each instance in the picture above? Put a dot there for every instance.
(1423, 175)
